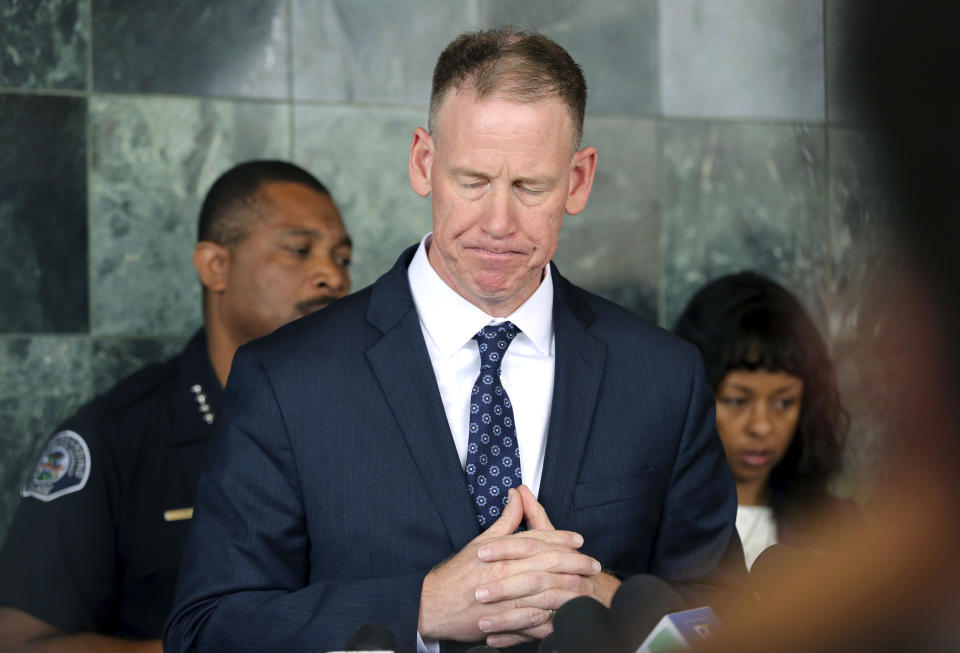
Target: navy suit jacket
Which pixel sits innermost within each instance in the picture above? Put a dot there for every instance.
(334, 486)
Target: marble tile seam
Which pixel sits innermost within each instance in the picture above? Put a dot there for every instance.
(742, 120)
(181, 96)
(100, 338)
(645, 117)
(53, 92)
(125, 338)
(18, 335)
(770, 122)
(89, 137)
(619, 115)
(291, 82)
(12, 90)
(825, 55)
(830, 181)
(662, 235)
(256, 100)
(840, 122)
(425, 107)
(833, 122)
(362, 104)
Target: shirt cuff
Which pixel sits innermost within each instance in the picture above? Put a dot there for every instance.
(427, 646)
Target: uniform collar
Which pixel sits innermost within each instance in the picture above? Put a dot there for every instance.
(198, 393)
(451, 321)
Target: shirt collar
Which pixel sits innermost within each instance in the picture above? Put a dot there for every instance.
(451, 321)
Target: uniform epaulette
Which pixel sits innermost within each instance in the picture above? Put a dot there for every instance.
(134, 387)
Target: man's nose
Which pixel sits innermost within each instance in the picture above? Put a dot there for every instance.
(327, 272)
(500, 213)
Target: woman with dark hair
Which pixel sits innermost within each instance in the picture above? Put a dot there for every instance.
(778, 408)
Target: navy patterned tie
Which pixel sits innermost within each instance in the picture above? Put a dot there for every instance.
(493, 454)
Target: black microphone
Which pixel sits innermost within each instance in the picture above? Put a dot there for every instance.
(483, 648)
(549, 644)
(582, 624)
(639, 604)
(372, 637)
(777, 560)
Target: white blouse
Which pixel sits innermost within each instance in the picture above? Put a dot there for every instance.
(757, 529)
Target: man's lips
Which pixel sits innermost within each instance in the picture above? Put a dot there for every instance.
(495, 252)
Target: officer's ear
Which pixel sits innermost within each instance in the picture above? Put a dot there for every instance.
(213, 263)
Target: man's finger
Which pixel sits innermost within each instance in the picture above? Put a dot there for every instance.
(508, 640)
(505, 640)
(533, 512)
(514, 620)
(527, 544)
(534, 589)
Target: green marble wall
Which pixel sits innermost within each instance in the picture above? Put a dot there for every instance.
(727, 136)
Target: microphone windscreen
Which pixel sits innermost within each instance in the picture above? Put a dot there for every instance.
(639, 604)
(372, 637)
(583, 624)
(775, 562)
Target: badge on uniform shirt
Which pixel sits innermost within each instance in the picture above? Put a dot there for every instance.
(64, 467)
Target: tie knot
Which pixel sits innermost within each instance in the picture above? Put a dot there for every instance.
(493, 341)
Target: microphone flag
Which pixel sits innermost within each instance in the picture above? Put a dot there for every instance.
(677, 631)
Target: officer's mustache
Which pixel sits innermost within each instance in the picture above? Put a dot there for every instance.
(310, 305)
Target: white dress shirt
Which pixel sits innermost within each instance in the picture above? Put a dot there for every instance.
(449, 323)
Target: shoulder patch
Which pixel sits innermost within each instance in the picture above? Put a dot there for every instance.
(64, 467)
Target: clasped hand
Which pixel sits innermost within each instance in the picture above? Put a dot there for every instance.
(505, 586)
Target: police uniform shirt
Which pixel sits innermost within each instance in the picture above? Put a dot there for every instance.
(96, 541)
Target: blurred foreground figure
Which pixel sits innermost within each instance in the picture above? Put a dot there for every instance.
(896, 578)
(778, 408)
(91, 559)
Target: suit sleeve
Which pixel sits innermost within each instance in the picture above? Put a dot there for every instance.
(245, 582)
(697, 546)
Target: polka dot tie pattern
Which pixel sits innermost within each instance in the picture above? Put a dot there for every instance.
(493, 453)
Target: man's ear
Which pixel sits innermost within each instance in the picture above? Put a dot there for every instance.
(421, 162)
(213, 263)
(582, 168)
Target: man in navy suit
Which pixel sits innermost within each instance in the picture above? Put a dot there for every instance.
(367, 452)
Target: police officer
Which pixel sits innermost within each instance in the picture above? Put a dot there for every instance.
(90, 561)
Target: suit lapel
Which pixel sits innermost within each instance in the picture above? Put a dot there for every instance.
(578, 373)
(402, 365)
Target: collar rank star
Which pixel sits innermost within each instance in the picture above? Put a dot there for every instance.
(202, 404)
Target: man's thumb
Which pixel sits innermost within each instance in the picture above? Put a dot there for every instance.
(510, 519)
